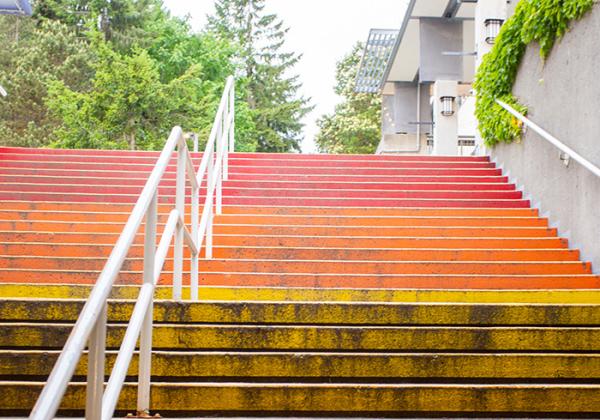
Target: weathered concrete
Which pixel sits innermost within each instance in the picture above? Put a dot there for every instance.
(563, 96)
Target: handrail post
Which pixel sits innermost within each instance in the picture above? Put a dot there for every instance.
(95, 374)
(195, 138)
(232, 126)
(219, 193)
(145, 358)
(196, 256)
(209, 203)
(180, 206)
(225, 139)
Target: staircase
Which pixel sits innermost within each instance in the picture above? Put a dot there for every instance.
(339, 286)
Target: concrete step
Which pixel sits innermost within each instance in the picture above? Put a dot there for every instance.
(306, 313)
(330, 281)
(242, 337)
(346, 267)
(318, 294)
(336, 367)
(304, 253)
(339, 399)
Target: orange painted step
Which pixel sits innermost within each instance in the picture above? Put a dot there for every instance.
(271, 210)
(103, 251)
(290, 220)
(314, 266)
(108, 227)
(415, 231)
(353, 281)
(310, 241)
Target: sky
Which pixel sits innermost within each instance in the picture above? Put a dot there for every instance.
(323, 31)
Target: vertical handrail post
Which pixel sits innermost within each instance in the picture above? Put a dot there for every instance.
(219, 156)
(209, 200)
(195, 138)
(145, 358)
(95, 374)
(195, 256)
(180, 207)
(225, 163)
(232, 126)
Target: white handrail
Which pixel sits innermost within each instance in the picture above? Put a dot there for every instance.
(91, 325)
(551, 139)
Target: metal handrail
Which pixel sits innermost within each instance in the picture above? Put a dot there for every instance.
(91, 325)
(551, 139)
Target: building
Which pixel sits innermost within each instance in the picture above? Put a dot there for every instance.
(425, 71)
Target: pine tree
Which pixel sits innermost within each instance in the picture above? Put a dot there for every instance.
(272, 94)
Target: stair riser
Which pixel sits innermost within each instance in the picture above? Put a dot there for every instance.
(301, 313)
(109, 239)
(338, 367)
(417, 231)
(231, 184)
(270, 210)
(339, 399)
(530, 297)
(316, 267)
(287, 156)
(262, 193)
(241, 162)
(318, 170)
(287, 220)
(117, 176)
(327, 281)
(47, 250)
(255, 201)
(244, 337)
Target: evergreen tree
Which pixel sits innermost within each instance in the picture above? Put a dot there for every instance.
(355, 126)
(29, 62)
(271, 94)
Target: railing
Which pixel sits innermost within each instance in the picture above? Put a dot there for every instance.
(570, 153)
(91, 325)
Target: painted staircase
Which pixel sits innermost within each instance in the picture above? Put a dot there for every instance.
(340, 285)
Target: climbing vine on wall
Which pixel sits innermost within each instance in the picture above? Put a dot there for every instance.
(541, 21)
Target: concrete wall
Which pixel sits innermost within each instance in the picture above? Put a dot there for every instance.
(563, 96)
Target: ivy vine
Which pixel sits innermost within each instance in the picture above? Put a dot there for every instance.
(541, 21)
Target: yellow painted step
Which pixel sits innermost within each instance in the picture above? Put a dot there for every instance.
(317, 338)
(312, 313)
(343, 366)
(202, 399)
(63, 291)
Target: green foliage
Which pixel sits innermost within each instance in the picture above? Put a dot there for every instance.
(271, 95)
(541, 21)
(355, 126)
(32, 58)
(122, 85)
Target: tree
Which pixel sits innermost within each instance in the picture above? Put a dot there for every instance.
(272, 95)
(29, 62)
(76, 81)
(123, 22)
(355, 126)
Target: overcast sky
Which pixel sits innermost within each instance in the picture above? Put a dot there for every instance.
(323, 31)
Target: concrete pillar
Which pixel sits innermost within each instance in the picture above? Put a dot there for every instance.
(445, 129)
(485, 9)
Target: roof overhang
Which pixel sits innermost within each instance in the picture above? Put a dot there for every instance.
(15, 7)
(374, 60)
(403, 64)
